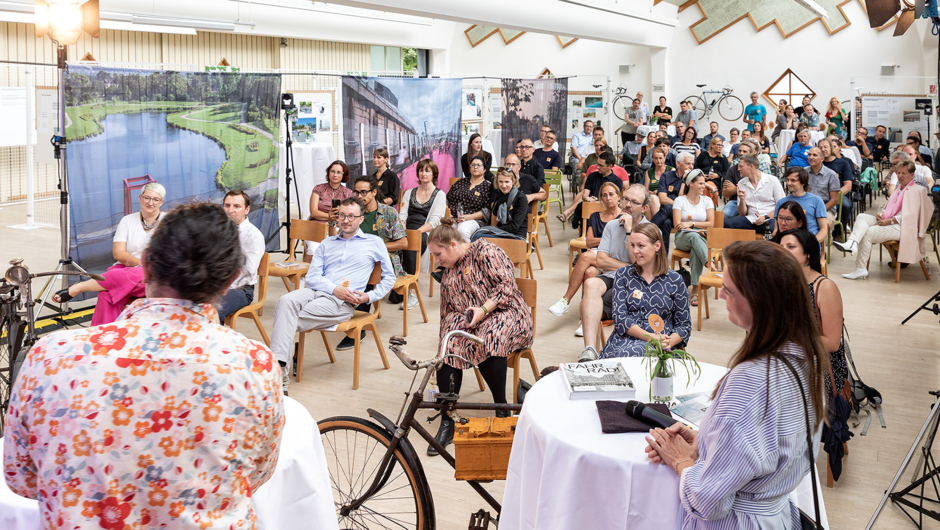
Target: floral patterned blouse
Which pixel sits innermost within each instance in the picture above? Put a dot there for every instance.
(162, 419)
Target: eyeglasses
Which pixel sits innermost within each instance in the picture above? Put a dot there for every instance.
(637, 204)
(526, 147)
(344, 217)
(786, 219)
(151, 200)
(476, 165)
(360, 193)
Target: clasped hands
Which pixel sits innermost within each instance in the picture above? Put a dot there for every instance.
(882, 221)
(348, 295)
(677, 444)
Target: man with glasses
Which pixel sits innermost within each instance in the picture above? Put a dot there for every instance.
(531, 166)
(335, 284)
(923, 154)
(543, 141)
(922, 175)
(548, 156)
(864, 146)
(527, 183)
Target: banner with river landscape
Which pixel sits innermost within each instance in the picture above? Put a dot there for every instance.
(198, 134)
(414, 118)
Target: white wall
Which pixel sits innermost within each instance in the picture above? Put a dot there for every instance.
(748, 60)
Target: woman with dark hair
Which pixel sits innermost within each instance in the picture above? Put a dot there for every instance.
(692, 214)
(758, 136)
(325, 198)
(826, 299)
(646, 287)
(807, 209)
(655, 172)
(478, 279)
(789, 216)
(751, 450)
(510, 207)
(422, 209)
(388, 181)
(688, 143)
(469, 199)
(183, 404)
(475, 149)
(123, 281)
(662, 112)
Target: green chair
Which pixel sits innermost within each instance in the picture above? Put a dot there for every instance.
(554, 180)
(834, 225)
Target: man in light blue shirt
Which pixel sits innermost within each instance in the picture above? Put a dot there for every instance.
(336, 281)
(582, 144)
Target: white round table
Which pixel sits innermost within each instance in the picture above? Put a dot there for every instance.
(308, 168)
(787, 135)
(565, 473)
(297, 497)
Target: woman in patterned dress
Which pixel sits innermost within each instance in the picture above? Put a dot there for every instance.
(478, 277)
(751, 451)
(648, 287)
(469, 199)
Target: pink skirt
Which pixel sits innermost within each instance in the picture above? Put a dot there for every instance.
(121, 286)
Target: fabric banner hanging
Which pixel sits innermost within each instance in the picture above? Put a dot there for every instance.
(528, 104)
(413, 118)
(198, 134)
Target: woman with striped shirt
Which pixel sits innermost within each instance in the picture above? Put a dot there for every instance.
(737, 471)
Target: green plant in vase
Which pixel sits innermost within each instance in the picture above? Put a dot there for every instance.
(662, 364)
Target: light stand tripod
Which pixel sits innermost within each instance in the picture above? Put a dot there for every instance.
(926, 306)
(287, 105)
(59, 144)
(925, 471)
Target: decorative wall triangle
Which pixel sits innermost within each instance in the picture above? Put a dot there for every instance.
(477, 34)
(89, 57)
(565, 41)
(224, 62)
(510, 35)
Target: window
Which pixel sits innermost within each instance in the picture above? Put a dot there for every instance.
(386, 59)
(790, 87)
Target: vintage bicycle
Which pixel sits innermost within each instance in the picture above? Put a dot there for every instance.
(622, 101)
(375, 472)
(729, 106)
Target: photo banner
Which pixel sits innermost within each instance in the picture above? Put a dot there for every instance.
(413, 118)
(528, 104)
(199, 134)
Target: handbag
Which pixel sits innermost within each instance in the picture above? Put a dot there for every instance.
(807, 522)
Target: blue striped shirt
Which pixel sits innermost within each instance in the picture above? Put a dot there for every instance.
(752, 450)
(338, 259)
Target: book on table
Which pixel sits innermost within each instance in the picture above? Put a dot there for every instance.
(597, 380)
(691, 408)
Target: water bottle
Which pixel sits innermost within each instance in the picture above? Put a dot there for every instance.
(768, 233)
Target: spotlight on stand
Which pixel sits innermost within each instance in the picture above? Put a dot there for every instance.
(287, 101)
(64, 20)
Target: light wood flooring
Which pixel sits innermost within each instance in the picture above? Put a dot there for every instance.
(900, 361)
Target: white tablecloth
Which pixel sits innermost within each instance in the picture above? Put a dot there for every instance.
(787, 136)
(645, 130)
(487, 146)
(297, 497)
(565, 473)
(309, 169)
(495, 138)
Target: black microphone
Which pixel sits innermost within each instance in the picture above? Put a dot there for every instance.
(645, 414)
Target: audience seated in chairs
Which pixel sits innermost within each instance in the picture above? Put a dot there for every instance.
(796, 155)
(865, 148)
(469, 199)
(124, 281)
(924, 156)
(646, 287)
(922, 175)
(714, 165)
(613, 253)
(591, 188)
(655, 173)
(758, 194)
(692, 214)
(892, 224)
(620, 171)
(383, 221)
(811, 119)
(541, 143)
(758, 136)
(786, 121)
(388, 182)
(845, 171)
(475, 149)
(547, 154)
(733, 154)
(824, 183)
(582, 144)
(689, 143)
(729, 185)
(671, 185)
(325, 198)
(712, 134)
(528, 165)
(734, 138)
(801, 209)
(242, 291)
(133, 445)
(422, 209)
(634, 151)
(662, 144)
(510, 207)
(336, 284)
(587, 261)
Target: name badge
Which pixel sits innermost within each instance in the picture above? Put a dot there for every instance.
(466, 272)
(477, 193)
(637, 294)
(670, 188)
(688, 218)
(374, 227)
(380, 182)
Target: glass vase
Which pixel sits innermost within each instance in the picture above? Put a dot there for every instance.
(661, 387)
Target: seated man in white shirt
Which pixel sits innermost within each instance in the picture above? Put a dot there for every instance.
(582, 144)
(922, 175)
(758, 194)
(242, 291)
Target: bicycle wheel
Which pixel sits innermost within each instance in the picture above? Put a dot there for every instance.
(731, 108)
(354, 450)
(620, 106)
(699, 105)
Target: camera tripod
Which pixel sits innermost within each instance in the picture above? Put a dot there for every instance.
(925, 472)
(926, 306)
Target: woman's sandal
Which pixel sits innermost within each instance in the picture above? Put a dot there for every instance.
(694, 301)
(61, 297)
(562, 217)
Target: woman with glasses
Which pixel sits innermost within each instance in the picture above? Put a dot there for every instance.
(469, 199)
(688, 143)
(475, 149)
(801, 209)
(325, 199)
(123, 281)
(692, 214)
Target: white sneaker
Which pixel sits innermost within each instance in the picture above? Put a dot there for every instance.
(559, 308)
(412, 300)
(580, 331)
(285, 381)
(857, 274)
(589, 354)
(849, 246)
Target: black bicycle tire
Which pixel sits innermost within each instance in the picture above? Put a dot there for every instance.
(729, 98)
(700, 106)
(414, 474)
(616, 105)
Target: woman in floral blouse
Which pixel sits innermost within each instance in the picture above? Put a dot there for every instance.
(162, 419)
(469, 199)
(478, 279)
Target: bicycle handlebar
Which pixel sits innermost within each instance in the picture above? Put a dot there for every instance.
(411, 364)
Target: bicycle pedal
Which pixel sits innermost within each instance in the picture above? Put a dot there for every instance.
(479, 520)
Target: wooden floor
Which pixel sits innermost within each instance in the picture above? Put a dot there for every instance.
(900, 361)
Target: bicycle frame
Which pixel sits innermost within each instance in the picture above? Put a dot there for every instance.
(408, 422)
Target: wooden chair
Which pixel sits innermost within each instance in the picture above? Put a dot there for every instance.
(676, 256)
(529, 289)
(353, 328)
(543, 217)
(518, 252)
(251, 310)
(532, 234)
(452, 181)
(405, 284)
(580, 244)
(893, 248)
(718, 239)
(300, 231)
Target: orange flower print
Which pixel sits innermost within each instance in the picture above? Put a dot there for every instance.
(261, 359)
(229, 425)
(110, 378)
(71, 496)
(211, 412)
(157, 496)
(168, 446)
(144, 461)
(81, 444)
(89, 509)
(176, 340)
(53, 428)
(177, 509)
(223, 369)
(140, 369)
(122, 415)
(142, 429)
(199, 378)
(193, 326)
(113, 512)
(109, 338)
